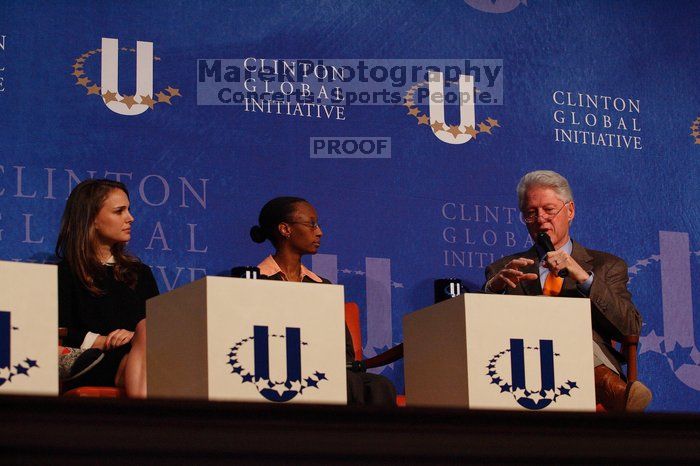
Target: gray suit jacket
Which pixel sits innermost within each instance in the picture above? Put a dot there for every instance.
(612, 312)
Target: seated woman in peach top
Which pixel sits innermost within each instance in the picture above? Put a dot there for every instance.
(291, 225)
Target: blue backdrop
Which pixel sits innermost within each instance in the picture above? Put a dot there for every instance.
(605, 93)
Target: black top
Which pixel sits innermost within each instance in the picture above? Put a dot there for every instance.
(119, 307)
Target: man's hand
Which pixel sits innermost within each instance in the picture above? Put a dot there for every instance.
(511, 275)
(559, 260)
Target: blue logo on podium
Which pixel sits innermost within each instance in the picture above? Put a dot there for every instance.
(548, 393)
(278, 391)
(7, 370)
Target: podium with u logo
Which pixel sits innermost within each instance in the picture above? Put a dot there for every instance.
(234, 339)
(487, 351)
(28, 329)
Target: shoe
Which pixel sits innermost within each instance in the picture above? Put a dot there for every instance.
(638, 397)
(618, 396)
(74, 362)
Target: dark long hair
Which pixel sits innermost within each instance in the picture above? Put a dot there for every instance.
(76, 242)
(276, 211)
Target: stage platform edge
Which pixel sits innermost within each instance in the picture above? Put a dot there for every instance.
(45, 430)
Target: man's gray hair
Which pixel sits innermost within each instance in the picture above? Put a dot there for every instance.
(545, 179)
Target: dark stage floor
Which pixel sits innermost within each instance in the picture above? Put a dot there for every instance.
(37, 430)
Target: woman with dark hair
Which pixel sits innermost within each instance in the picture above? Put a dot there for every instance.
(102, 288)
(291, 225)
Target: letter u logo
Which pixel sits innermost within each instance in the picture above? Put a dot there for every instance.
(436, 86)
(517, 370)
(262, 361)
(4, 339)
(110, 76)
(677, 300)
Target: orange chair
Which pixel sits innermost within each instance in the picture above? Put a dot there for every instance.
(352, 320)
(628, 348)
(96, 392)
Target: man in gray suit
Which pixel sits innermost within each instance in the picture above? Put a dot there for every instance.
(547, 205)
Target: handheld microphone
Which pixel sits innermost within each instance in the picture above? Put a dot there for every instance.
(545, 242)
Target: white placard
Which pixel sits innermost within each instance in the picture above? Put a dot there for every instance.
(28, 329)
(248, 340)
(487, 351)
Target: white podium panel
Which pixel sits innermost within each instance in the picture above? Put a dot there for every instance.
(28, 329)
(234, 339)
(486, 351)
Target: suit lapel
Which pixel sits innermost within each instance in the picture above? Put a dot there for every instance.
(532, 287)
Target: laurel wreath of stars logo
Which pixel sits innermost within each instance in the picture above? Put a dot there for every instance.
(640, 264)
(695, 130)
(537, 398)
(82, 79)
(23, 368)
(676, 354)
(281, 386)
(9, 372)
(485, 127)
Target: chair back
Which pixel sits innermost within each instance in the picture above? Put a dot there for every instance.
(352, 320)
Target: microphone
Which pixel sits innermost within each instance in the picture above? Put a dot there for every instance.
(545, 242)
(446, 288)
(246, 272)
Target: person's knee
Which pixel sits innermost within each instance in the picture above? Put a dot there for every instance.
(119, 376)
(140, 332)
(141, 326)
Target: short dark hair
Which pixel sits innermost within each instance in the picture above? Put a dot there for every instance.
(274, 212)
